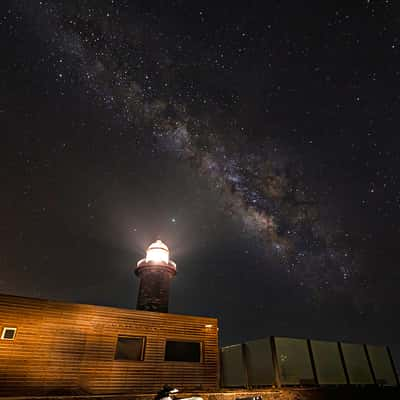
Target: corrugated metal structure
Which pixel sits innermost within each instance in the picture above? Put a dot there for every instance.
(280, 361)
(76, 348)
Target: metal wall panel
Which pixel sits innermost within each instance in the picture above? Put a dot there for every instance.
(233, 367)
(381, 365)
(328, 364)
(258, 356)
(71, 348)
(357, 364)
(302, 362)
(294, 361)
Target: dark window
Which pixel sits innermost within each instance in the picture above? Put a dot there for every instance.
(8, 333)
(182, 351)
(130, 348)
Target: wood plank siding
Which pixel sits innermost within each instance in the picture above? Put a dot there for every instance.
(70, 348)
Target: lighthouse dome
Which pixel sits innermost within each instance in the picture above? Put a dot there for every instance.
(157, 252)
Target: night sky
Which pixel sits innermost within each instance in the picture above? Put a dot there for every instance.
(258, 139)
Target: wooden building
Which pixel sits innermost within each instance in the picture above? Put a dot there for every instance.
(50, 347)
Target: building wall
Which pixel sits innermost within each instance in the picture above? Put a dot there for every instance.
(63, 348)
(283, 361)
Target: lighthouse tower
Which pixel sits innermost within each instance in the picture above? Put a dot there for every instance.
(155, 273)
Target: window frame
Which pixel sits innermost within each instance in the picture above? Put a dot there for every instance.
(142, 353)
(4, 330)
(184, 341)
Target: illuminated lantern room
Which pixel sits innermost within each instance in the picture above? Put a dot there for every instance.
(157, 254)
(157, 251)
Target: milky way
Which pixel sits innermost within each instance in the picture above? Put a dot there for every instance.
(132, 69)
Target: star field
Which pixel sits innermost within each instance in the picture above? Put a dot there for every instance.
(258, 140)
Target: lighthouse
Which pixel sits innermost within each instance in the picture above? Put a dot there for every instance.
(155, 273)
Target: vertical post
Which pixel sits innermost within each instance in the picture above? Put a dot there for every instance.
(220, 370)
(370, 364)
(219, 361)
(246, 367)
(393, 365)
(314, 370)
(275, 363)
(346, 373)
